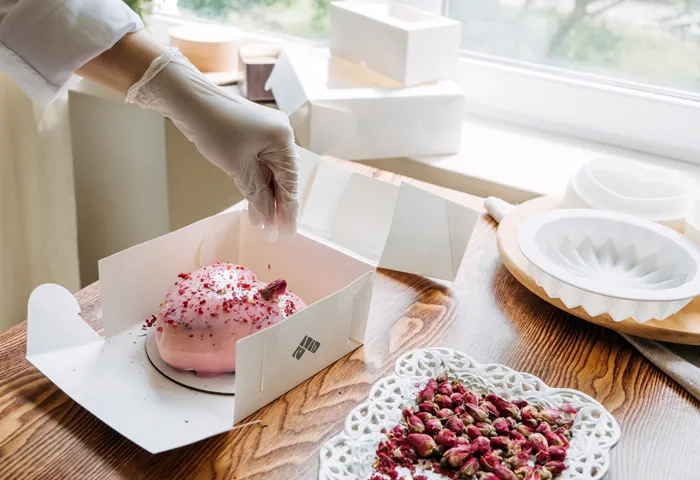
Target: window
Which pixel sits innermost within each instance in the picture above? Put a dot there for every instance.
(300, 18)
(655, 42)
(623, 72)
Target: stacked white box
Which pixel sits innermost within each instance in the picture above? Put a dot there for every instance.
(342, 109)
(381, 90)
(408, 45)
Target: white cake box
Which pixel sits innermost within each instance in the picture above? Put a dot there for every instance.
(350, 224)
(342, 109)
(406, 44)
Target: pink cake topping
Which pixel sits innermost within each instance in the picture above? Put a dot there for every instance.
(210, 309)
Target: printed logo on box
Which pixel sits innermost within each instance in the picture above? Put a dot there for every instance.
(307, 343)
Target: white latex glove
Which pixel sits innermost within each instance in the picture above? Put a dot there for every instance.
(252, 143)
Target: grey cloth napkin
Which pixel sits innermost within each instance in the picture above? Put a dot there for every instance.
(680, 362)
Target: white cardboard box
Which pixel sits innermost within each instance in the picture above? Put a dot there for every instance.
(406, 44)
(349, 225)
(342, 109)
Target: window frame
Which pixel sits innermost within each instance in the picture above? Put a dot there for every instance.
(653, 120)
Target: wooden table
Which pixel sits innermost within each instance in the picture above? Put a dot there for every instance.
(485, 313)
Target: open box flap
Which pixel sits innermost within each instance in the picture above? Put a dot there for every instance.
(124, 392)
(402, 227)
(281, 357)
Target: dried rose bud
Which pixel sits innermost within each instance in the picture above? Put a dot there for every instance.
(424, 416)
(543, 427)
(462, 441)
(466, 418)
(414, 424)
(480, 445)
(532, 423)
(478, 413)
(533, 475)
(544, 473)
(557, 453)
(518, 460)
(445, 389)
(516, 436)
(568, 408)
(457, 387)
(565, 422)
(500, 443)
(538, 442)
(524, 470)
(550, 415)
(552, 439)
(555, 467)
(529, 412)
(473, 432)
(428, 407)
(442, 378)
(407, 412)
(501, 426)
(433, 426)
(542, 457)
(443, 401)
(563, 439)
(469, 468)
(511, 422)
(520, 403)
(446, 438)
(503, 473)
(274, 289)
(486, 429)
(426, 395)
(487, 476)
(444, 413)
(490, 407)
(459, 410)
(424, 445)
(455, 424)
(488, 461)
(432, 383)
(525, 430)
(457, 455)
(505, 408)
(457, 399)
(471, 398)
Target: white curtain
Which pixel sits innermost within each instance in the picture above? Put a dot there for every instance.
(38, 239)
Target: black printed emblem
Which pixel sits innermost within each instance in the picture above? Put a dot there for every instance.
(307, 343)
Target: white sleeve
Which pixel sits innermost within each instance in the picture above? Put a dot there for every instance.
(42, 42)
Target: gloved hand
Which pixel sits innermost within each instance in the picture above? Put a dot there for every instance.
(252, 143)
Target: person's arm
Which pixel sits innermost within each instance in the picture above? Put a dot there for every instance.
(123, 64)
(44, 42)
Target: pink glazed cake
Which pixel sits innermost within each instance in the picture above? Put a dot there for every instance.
(210, 309)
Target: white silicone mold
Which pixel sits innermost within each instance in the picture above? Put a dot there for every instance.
(609, 262)
(660, 195)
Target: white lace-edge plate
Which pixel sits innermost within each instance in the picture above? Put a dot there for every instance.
(350, 454)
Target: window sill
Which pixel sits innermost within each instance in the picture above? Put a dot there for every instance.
(515, 163)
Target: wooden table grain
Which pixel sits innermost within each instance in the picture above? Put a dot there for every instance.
(485, 313)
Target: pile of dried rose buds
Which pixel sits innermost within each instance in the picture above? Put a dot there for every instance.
(459, 434)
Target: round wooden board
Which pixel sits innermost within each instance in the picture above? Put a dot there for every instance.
(683, 327)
